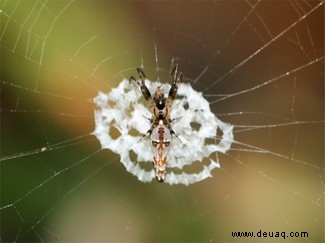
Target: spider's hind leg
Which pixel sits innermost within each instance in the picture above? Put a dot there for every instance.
(148, 132)
(172, 131)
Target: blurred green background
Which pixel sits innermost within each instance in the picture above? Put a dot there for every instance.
(57, 55)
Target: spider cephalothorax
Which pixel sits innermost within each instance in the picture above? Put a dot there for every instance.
(160, 131)
(160, 110)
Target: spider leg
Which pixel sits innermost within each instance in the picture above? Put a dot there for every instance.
(149, 119)
(141, 74)
(132, 79)
(144, 89)
(169, 126)
(173, 133)
(175, 119)
(177, 78)
(174, 71)
(148, 132)
(143, 136)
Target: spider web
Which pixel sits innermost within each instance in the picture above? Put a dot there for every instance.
(260, 64)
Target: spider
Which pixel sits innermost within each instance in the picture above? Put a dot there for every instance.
(160, 131)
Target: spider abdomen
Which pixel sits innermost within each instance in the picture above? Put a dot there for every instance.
(161, 138)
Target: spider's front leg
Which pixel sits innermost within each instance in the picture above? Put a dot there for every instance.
(146, 94)
(177, 78)
(144, 89)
